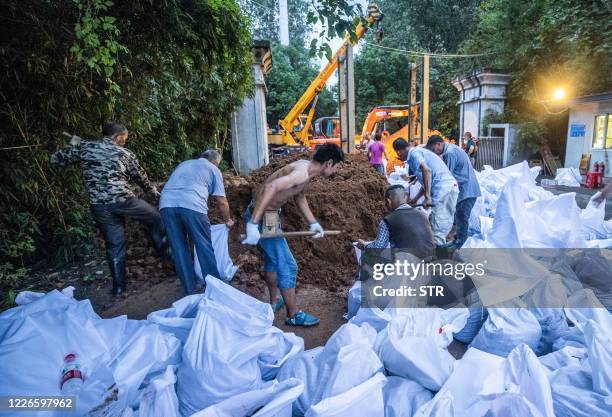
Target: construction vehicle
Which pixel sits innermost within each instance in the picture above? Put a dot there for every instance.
(393, 122)
(295, 128)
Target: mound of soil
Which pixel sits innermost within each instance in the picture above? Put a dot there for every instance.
(351, 201)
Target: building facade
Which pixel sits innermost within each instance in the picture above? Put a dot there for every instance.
(589, 131)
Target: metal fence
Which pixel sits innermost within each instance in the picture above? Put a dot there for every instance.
(490, 152)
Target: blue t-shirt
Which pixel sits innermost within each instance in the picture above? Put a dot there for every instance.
(190, 185)
(460, 166)
(441, 178)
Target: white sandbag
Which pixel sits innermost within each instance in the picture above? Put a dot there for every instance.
(346, 361)
(599, 347)
(505, 329)
(232, 330)
(273, 399)
(354, 364)
(26, 297)
(568, 177)
(573, 394)
(373, 316)
(480, 380)
(225, 266)
(466, 381)
(304, 367)
(413, 346)
(159, 399)
(404, 397)
(286, 346)
(364, 400)
(508, 404)
(179, 318)
(566, 356)
(592, 218)
(441, 405)
(116, 355)
(583, 306)
(520, 374)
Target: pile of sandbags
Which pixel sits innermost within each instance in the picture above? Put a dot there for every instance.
(212, 354)
(513, 212)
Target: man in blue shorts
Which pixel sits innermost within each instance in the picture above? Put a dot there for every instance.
(279, 265)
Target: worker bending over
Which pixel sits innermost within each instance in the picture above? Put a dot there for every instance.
(184, 210)
(107, 169)
(279, 265)
(460, 166)
(438, 186)
(405, 227)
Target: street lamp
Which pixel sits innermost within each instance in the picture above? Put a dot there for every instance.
(559, 94)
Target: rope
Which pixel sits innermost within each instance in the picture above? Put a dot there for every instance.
(19, 147)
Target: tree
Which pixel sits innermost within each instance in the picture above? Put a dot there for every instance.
(292, 72)
(545, 45)
(172, 71)
(382, 75)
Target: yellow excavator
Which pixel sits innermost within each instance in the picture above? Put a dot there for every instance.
(295, 128)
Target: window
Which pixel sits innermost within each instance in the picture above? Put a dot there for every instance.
(602, 135)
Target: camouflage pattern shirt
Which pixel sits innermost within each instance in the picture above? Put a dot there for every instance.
(107, 169)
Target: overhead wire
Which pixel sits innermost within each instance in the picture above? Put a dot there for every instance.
(431, 54)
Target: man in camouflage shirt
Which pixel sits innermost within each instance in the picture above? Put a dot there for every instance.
(108, 168)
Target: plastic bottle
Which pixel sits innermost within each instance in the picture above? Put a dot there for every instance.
(72, 378)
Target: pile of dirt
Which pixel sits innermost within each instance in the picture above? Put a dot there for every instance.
(351, 201)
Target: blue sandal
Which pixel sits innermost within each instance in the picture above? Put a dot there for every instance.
(302, 319)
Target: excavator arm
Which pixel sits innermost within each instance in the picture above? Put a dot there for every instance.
(290, 137)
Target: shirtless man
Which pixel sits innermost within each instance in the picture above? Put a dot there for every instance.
(279, 265)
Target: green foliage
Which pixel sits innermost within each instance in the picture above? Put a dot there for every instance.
(544, 44)
(172, 71)
(382, 77)
(290, 76)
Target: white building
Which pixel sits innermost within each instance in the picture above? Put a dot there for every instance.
(589, 131)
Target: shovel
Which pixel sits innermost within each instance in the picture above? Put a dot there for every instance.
(294, 234)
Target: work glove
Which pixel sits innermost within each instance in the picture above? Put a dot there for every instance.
(318, 229)
(252, 234)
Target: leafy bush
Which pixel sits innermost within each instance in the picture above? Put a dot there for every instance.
(172, 71)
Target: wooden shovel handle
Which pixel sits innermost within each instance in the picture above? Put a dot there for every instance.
(295, 234)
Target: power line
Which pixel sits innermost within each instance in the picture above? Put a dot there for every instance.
(432, 54)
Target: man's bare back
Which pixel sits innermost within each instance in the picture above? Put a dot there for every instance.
(296, 179)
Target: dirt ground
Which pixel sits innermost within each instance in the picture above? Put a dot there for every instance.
(351, 201)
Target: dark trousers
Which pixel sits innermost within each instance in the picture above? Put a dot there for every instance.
(462, 220)
(181, 225)
(110, 219)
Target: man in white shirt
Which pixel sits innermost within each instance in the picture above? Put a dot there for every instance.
(439, 187)
(184, 211)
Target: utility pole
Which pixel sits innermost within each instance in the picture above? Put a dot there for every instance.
(425, 100)
(412, 121)
(346, 98)
(283, 22)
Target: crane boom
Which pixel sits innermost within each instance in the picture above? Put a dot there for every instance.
(318, 84)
